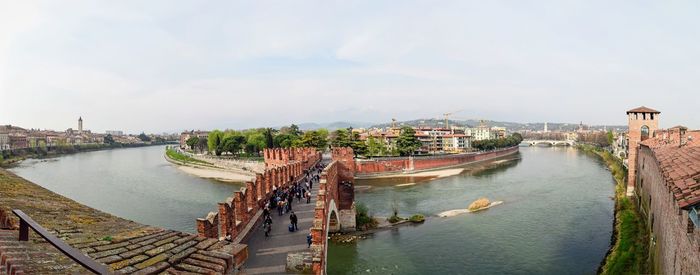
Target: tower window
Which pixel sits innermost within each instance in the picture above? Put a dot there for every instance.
(652, 116)
(644, 116)
(645, 132)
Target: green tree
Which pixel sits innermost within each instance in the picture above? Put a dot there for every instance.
(192, 142)
(317, 139)
(143, 137)
(232, 143)
(375, 147)
(407, 143)
(285, 140)
(214, 141)
(269, 139)
(341, 138)
(359, 147)
(255, 141)
(611, 137)
(108, 139)
(202, 144)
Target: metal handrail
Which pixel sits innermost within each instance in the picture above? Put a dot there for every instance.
(26, 222)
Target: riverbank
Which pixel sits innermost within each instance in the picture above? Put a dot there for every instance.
(12, 157)
(628, 252)
(204, 169)
(428, 166)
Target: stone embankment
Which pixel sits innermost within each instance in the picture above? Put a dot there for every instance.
(219, 168)
(395, 166)
(124, 246)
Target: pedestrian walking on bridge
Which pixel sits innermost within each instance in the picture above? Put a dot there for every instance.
(294, 220)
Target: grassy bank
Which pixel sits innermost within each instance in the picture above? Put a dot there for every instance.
(175, 155)
(629, 253)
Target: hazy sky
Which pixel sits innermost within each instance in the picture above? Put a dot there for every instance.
(171, 65)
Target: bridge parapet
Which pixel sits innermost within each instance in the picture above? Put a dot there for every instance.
(282, 156)
(550, 142)
(238, 214)
(335, 207)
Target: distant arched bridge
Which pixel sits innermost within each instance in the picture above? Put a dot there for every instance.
(549, 142)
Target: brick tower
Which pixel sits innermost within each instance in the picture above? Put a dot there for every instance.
(642, 124)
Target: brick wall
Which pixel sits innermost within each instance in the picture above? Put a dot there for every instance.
(674, 250)
(284, 166)
(415, 164)
(635, 123)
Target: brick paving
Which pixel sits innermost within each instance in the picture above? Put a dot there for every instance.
(268, 255)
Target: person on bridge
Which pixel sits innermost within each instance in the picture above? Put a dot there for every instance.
(308, 240)
(280, 206)
(308, 196)
(267, 226)
(294, 220)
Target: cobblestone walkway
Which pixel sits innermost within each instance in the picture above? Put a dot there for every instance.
(268, 255)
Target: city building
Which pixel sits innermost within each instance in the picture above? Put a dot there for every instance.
(482, 132)
(185, 135)
(500, 132)
(665, 173)
(4, 141)
(114, 133)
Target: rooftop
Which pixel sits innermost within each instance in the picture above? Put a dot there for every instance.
(679, 161)
(643, 109)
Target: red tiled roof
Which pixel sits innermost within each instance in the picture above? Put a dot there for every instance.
(643, 109)
(680, 166)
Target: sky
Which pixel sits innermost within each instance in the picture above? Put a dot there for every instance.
(159, 66)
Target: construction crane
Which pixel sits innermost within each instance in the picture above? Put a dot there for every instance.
(447, 118)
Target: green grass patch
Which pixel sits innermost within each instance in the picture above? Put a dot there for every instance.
(175, 155)
(418, 218)
(629, 254)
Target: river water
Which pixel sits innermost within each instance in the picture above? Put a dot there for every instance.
(556, 218)
(134, 183)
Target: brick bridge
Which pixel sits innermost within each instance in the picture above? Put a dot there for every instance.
(239, 217)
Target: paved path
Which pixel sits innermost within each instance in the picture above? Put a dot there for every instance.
(268, 255)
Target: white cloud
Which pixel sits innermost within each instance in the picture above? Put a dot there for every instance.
(172, 65)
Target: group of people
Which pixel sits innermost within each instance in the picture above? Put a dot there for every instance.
(283, 198)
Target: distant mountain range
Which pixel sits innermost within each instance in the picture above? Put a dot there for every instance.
(333, 125)
(511, 126)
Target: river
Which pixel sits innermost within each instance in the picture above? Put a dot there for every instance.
(556, 218)
(134, 183)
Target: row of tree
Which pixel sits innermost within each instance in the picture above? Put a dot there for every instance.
(490, 144)
(253, 141)
(406, 143)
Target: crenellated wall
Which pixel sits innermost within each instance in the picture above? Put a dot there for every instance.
(335, 208)
(281, 156)
(241, 211)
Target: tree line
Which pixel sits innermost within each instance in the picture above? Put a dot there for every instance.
(491, 144)
(252, 142)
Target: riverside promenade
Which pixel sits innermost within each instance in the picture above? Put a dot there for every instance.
(268, 255)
